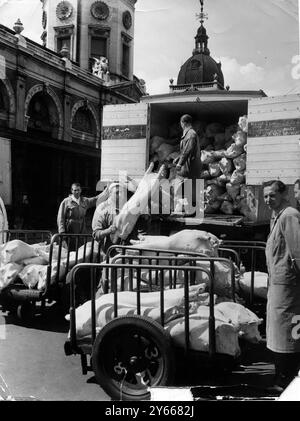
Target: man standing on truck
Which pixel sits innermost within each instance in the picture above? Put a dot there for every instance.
(283, 306)
(188, 164)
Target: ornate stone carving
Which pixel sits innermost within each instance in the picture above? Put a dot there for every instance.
(64, 10)
(127, 19)
(100, 10)
(100, 68)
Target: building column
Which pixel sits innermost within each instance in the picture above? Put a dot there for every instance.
(21, 124)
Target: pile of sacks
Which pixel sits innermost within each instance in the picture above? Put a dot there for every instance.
(21, 262)
(233, 320)
(224, 168)
(223, 157)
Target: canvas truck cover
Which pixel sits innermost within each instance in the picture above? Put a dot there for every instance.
(273, 150)
(124, 144)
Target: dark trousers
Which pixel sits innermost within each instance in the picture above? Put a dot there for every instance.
(287, 367)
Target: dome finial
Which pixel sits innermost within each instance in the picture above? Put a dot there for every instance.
(201, 16)
(201, 37)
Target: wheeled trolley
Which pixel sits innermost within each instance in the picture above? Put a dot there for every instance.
(132, 352)
(22, 299)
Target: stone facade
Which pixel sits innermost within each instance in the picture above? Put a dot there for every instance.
(51, 115)
(93, 29)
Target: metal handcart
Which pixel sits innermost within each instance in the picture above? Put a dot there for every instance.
(18, 297)
(131, 353)
(252, 257)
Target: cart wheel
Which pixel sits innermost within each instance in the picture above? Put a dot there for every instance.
(130, 354)
(26, 311)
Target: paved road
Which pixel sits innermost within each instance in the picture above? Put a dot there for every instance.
(33, 363)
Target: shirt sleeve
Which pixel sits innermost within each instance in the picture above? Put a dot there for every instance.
(91, 201)
(102, 227)
(291, 229)
(188, 148)
(61, 217)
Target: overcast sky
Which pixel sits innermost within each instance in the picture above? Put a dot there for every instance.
(255, 40)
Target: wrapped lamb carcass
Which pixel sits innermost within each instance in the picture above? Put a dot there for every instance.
(240, 138)
(243, 207)
(226, 334)
(241, 317)
(137, 204)
(220, 141)
(240, 162)
(233, 190)
(219, 154)
(164, 151)
(213, 207)
(205, 174)
(155, 143)
(215, 181)
(260, 284)
(223, 179)
(213, 192)
(227, 207)
(214, 169)
(16, 251)
(9, 273)
(243, 192)
(207, 157)
(229, 131)
(243, 123)
(237, 177)
(185, 240)
(213, 129)
(226, 166)
(225, 197)
(234, 151)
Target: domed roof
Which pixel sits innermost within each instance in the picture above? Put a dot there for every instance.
(200, 68)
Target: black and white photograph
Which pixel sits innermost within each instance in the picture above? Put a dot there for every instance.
(150, 203)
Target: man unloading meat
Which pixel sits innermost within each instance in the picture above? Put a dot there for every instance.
(188, 164)
(103, 223)
(72, 213)
(283, 307)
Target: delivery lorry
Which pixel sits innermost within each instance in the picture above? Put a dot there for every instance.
(272, 150)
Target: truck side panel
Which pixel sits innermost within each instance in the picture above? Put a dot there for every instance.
(125, 141)
(273, 150)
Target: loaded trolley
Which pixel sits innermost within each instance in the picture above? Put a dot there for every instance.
(23, 299)
(133, 352)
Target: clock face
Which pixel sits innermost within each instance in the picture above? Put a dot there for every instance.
(127, 20)
(100, 10)
(64, 10)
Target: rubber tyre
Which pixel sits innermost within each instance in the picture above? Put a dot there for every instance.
(26, 311)
(130, 338)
